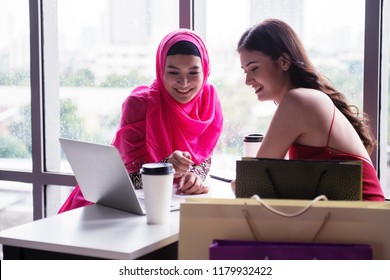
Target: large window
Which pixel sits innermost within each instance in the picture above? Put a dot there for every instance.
(88, 55)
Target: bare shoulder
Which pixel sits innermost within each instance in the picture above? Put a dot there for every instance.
(307, 109)
(307, 99)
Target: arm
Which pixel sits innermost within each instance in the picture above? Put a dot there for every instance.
(197, 171)
(202, 169)
(130, 136)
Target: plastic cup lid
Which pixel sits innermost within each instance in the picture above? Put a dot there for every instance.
(159, 168)
(254, 137)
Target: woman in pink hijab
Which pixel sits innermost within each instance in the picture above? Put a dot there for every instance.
(177, 119)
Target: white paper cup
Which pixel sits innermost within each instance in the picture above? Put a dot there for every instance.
(157, 182)
(252, 144)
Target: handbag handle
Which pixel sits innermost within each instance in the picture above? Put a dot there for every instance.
(287, 215)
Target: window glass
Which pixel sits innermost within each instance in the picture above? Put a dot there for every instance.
(335, 46)
(57, 196)
(15, 105)
(15, 204)
(101, 58)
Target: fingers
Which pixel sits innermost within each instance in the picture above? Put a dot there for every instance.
(192, 184)
(187, 156)
(233, 185)
(181, 162)
(189, 183)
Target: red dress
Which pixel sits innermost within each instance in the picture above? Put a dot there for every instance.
(372, 189)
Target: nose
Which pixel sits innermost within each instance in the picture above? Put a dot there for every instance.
(183, 80)
(248, 79)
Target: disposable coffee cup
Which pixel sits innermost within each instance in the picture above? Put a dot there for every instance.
(157, 182)
(252, 144)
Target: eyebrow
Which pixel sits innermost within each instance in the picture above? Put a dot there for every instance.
(174, 67)
(249, 63)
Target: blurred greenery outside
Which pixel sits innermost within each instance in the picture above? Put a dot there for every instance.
(237, 100)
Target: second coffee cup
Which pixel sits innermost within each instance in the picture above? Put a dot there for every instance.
(252, 144)
(157, 182)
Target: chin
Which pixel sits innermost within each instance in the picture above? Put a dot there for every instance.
(183, 100)
(261, 99)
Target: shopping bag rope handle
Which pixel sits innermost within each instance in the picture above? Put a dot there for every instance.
(303, 210)
(288, 215)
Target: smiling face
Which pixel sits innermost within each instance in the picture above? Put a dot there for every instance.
(266, 76)
(183, 76)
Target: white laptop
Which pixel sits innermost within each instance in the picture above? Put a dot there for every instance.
(103, 178)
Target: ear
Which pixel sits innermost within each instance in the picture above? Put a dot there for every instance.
(285, 62)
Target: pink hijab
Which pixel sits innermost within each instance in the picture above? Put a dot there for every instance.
(153, 124)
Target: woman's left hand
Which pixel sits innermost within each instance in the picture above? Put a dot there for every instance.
(190, 183)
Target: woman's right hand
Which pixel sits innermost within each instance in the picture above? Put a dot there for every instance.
(181, 162)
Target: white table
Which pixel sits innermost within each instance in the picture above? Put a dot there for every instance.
(93, 231)
(98, 232)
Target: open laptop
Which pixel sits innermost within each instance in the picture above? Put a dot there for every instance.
(103, 178)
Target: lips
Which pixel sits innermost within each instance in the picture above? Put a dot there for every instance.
(258, 89)
(183, 91)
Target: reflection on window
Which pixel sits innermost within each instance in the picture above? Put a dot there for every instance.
(335, 47)
(15, 108)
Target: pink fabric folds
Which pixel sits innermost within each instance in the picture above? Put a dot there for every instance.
(74, 200)
(153, 124)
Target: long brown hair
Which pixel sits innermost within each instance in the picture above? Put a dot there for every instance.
(274, 37)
